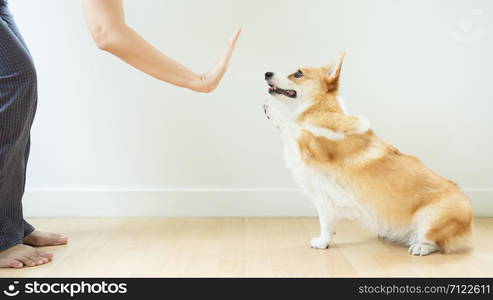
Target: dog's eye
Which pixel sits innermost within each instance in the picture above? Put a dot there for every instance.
(298, 74)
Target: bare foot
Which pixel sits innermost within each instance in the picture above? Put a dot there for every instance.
(40, 239)
(21, 255)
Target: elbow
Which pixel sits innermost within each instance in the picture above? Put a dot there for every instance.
(207, 89)
(104, 38)
(102, 43)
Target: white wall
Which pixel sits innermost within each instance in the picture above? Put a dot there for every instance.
(108, 140)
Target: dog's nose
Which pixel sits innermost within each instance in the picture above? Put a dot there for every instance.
(268, 75)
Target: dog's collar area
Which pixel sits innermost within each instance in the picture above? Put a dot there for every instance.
(275, 90)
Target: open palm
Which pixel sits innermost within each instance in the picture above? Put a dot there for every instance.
(210, 80)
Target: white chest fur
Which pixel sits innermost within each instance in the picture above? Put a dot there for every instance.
(318, 185)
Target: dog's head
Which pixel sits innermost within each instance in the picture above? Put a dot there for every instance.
(307, 85)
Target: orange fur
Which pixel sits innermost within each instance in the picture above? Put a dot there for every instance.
(398, 187)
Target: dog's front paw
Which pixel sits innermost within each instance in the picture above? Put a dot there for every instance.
(320, 243)
(422, 249)
(266, 110)
(273, 114)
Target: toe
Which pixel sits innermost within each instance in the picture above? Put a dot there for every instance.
(28, 261)
(47, 255)
(39, 260)
(36, 259)
(16, 264)
(62, 239)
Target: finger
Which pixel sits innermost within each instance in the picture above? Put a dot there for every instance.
(217, 71)
(231, 45)
(234, 38)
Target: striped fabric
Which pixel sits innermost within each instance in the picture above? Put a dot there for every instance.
(18, 99)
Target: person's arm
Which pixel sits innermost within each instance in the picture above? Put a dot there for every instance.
(106, 22)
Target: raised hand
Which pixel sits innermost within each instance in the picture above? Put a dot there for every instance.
(106, 22)
(209, 81)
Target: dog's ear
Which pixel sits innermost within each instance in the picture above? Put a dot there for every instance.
(333, 72)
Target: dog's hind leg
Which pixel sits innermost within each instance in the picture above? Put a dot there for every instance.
(420, 245)
(444, 226)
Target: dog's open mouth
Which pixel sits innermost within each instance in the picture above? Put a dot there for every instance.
(275, 90)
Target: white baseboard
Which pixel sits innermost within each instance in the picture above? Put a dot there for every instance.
(159, 202)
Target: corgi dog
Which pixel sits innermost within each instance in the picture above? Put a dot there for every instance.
(349, 172)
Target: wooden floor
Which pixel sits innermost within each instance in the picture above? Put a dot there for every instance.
(239, 247)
